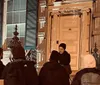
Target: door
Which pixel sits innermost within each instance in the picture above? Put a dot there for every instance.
(69, 33)
(66, 29)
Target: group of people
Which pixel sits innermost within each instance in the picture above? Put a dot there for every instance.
(57, 71)
(54, 72)
(23, 72)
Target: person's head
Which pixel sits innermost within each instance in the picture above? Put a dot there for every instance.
(18, 53)
(54, 56)
(62, 48)
(1, 53)
(88, 61)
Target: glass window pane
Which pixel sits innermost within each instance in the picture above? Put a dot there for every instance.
(9, 30)
(22, 30)
(16, 14)
(9, 18)
(22, 17)
(10, 5)
(23, 5)
(16, 5)
(15, 17)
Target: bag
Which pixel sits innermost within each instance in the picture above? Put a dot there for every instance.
(68, 69)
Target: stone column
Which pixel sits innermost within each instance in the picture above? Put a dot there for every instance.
(54, 32)
(85, 35)
(4, 31)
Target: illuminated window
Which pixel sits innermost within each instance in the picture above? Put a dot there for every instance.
(16, 14)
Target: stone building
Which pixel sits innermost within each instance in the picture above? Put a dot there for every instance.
(74, 22)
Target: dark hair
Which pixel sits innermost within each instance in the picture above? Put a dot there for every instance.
(54, 56)
(18, 52)
(1, 51)
(63, 45)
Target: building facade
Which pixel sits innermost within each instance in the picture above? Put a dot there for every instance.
(74, 22)
(24, 14)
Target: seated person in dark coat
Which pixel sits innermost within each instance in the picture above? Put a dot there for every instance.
(89, 75)
(52, 73)
(1, 64)
(64, 59)
(20, 71)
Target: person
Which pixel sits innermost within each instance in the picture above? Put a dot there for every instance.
(20, 71)
(52, 73)
(88, 61)
(1, 64)
(88, 74)
(64, 58)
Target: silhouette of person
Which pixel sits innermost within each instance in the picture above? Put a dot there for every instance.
(20, 71)
(52, 73)
(88, 72)
(1, 64)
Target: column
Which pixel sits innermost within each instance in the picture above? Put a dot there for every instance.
(54, 32)
(85, 35)
(4, 31)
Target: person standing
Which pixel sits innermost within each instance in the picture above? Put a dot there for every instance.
(1, 64)
(20, 71)
(88, 73)
(52, 73)
(64, 59)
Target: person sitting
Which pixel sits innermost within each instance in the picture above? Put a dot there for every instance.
(89, 75)
(52, 73)
(64, 58)
(20, 71)
(2, 66)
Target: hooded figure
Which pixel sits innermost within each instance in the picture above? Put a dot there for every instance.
(88, 61)
(20, 71)
(89, 74)
(52, 73)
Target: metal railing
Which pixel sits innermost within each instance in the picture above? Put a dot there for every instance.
(96, 56)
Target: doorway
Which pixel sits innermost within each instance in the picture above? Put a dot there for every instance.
(66, 29)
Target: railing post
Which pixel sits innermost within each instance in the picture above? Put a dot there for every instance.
(96, 56)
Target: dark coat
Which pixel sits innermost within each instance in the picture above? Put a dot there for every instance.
(20, 72)
(64, 58)
(53, 73)
(1, 68)
(78, 76)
